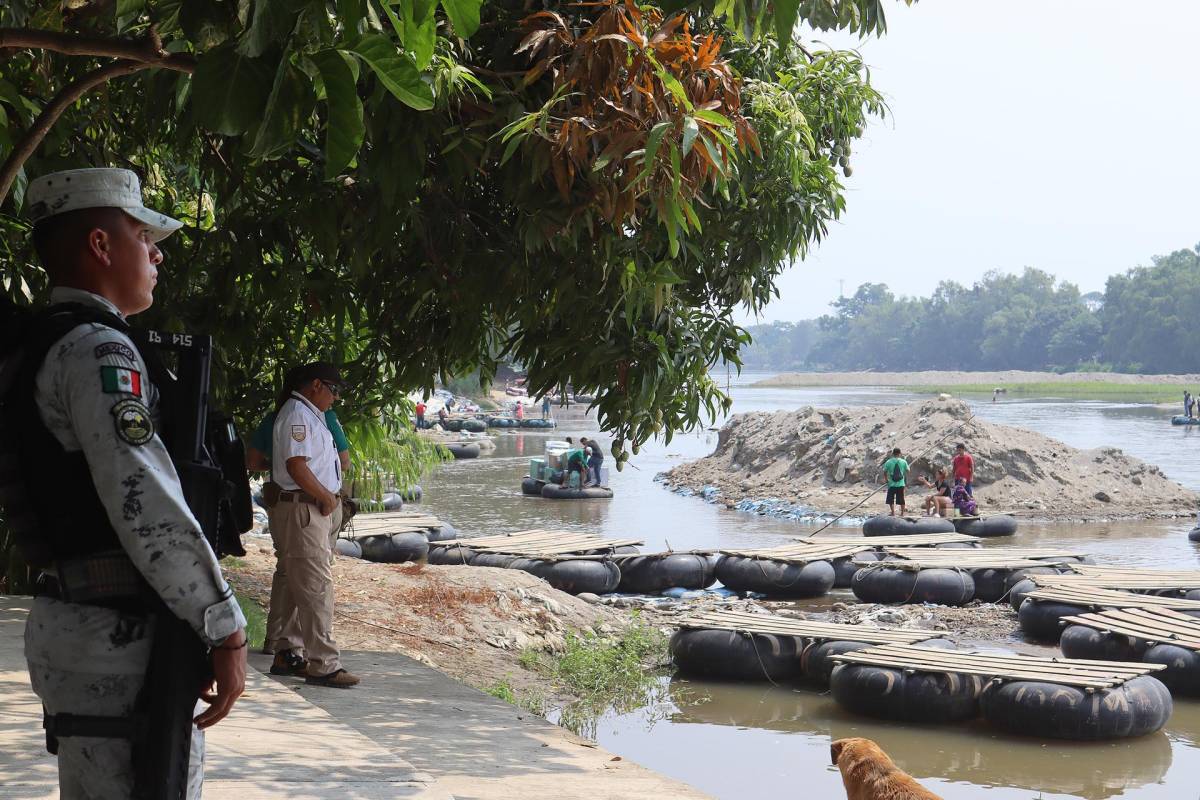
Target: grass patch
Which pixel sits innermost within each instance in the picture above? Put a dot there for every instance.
(620, 672)
(532, 701)
(1079, 390)
(256, 621)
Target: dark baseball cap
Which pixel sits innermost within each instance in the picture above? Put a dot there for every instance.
(315, 371)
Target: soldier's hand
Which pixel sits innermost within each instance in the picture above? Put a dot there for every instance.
(327, 503)
(229, 675)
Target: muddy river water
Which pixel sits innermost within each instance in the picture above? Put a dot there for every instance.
(756, 740)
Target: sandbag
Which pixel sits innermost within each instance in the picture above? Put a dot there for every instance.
(903, 526)
(735, 656)
(997, 525)
(776, 578)
(650, 574)
(1037, 708)
(906, 696)
(348, 547)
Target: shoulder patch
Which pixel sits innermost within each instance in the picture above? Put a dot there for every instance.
(133, 421)
(299, 432)
(119, 380)
(115, 349)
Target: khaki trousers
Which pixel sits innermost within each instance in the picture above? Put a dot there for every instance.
(301, 613)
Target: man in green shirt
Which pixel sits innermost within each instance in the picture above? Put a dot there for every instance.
(896, 470)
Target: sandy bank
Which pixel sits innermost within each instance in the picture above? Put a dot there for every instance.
(953, 378)
(828, 459)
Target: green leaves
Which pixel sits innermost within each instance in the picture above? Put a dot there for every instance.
(464, 16)
(290, 102)
(229, 91)
(344, 127)
(417, 29)
(395, 70)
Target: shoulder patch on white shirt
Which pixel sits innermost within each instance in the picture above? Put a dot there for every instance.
(299, 432)
(115, 349)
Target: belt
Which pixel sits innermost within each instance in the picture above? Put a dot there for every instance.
(111, 581)
(287, 496)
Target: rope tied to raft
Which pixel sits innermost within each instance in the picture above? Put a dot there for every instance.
(877, 489)
(761, 665)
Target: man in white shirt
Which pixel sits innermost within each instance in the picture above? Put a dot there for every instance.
(304, 462)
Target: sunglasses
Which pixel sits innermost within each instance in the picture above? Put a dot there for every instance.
(333, 388)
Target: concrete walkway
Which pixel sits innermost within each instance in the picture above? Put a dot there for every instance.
(408, 732)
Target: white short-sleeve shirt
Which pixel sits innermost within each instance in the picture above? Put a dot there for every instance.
(300, 430)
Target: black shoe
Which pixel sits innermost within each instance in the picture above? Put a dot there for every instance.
(289, 662)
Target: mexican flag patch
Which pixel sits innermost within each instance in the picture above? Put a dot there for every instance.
(120, 380)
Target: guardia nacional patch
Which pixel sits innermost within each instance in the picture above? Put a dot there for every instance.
(299, 432)
(134, 425)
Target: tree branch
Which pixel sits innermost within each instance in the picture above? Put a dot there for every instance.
(53, 110)
(148, 50)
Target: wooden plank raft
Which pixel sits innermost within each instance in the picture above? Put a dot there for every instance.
(391, 522)
(539, 542)
(1113, 577)
(800, 552)
(876, 542)
(1103, 598)
(983, 558)
(1159, 625)
(1084, 673)
(802, 628)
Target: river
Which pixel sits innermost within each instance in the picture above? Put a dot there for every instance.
(752, 740)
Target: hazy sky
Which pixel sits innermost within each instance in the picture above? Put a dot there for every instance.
(1059, 134)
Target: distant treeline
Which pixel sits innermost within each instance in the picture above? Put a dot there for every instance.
(1147, 320)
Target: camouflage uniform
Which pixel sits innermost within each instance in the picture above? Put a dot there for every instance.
(94, 395)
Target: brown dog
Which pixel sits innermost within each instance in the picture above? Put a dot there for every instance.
(870, 775)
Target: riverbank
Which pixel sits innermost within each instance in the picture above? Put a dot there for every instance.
(1113, 386)
(828, 460)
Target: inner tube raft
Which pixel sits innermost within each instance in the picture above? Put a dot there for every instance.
(993, 585)
(899, 694)
(776, 578)
(652, 573)
(348, 547)
(1041, 619)
(997, 525)
(460, 451)
(884, 583)
(450, 555)
(552, 491)
(1182, 674)
(532, 486)
(844, 568)
(904, 526)
(575, 576)
(817, 664)
(537, 423)
(732, 655)
(473, 426)
(1194, 534)
(442, 533)
(395, 548)
(1134, 708)
(1180, 419)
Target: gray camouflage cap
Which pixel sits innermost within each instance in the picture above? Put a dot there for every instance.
(103, 187)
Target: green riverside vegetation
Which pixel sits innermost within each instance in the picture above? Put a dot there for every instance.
(1080, 390)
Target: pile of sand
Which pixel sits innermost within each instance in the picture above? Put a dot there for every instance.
(828, 459)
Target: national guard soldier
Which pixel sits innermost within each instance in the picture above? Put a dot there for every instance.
(113, 533)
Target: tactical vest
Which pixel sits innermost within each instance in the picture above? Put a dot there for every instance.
(48, 497)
